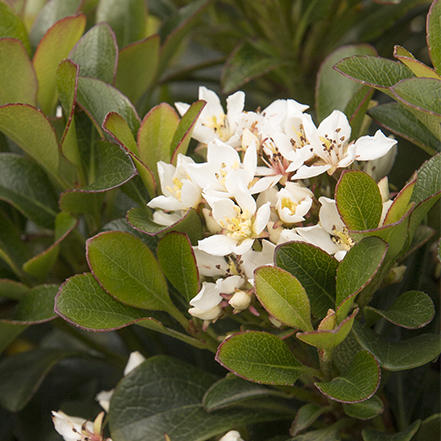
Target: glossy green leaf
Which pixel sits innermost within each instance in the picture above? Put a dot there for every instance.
(422, 96)
(357, 384)
(328, 338)
(260, 357)
(365, 410)
(164, 395)
(356, 270)
(96, 53)
(127, 269)
(12, 289)
(22, 374)
(32, 131)
(413, 309)
(141, 219)
(137, 67)
(234, 391)
(315, 269)
(333, 90)
(174, 29)
(177, 261)
(128, 19)
(98, 98)
(18, 81)
(12, 27)
(398, 119)
(41, 264)
(358, 200)
(399, 355)
(370, 434)
(418, 68)
(52, 49)
(306, 416)
(244, 64)
(376, 72)
(434, 35)
(155, 136)
(26, 186)
(51, 12)
(282, 295)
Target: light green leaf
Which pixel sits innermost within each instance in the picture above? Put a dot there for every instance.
(12, 27)
(357, 384)
(418, 68)
(316, 271)
(401, 204)
(128, 19)
(18, 81)
(164, 395)
(96, 53)
(177, 261)
(32, 131)
(365, 410)
(399, 355)
(137, 67)
(22, 374)
(434, 35)
(98, 98)
(370, 434)
(358, 200)
(412, 310)
(306, 416)
(260, 357)
(333, 90)
(26, 186)
(282, 295)
(52, 49)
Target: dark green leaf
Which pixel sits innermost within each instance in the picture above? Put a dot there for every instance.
(434, 35)
(306, 416)
(399, 355)
(428, 181)
(357, 384)
(328, 434)
(315, 269)
(12, 289)
(407, 434)
(430, 429)
(12, 27)
(9, 331)
(365, 410)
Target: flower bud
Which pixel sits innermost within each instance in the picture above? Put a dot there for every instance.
(240, 300)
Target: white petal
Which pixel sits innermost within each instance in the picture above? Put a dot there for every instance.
(229, 284)
(213, 106)
(209, 265)
(318, 236)
(329, 216)
(232, 435)
(135, 359)
(207, 298)
(235, 106)
(168, 203)
(335, 126)
(252, 259)
(262, 218)
(104, 397)
(203, 314)
(218, 245)
(182, 108)
(190, 194)
(69, 427)
(373, 147)
(243, 247)
(305, 172)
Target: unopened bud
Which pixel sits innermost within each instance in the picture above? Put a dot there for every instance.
(240, 300)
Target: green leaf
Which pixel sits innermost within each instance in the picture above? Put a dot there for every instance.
(234, 391)
(407, 434)
(164, 395)
(357, 384)
(316, 271)
(260, 357)
(155, 136)
(52, 49)
(412, 310)
(9, 332)
(52, 11)
(140, 218)
(96, 53)
(422, 96)
(333, 90)
(428, 181)
(401, 204)
(177, 261)
(365, 410)
(128, 19)
(306, 416)
(398, 119)
(137, 67)
(356, 270)
(32, 131)
(376, 72)
(282, 295)
(244, 64)
(434, 35)
(399, 355)
(418, 68)
(98, 98)
(126, 268)
(358, 200)
(12, 27)
(12, 289)
(430, 429)
(18, 81)
(328, 338)
(328, 434)
(22, 374)
(26, 186)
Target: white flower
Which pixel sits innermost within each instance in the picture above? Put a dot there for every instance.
(330, 142)
(232, 435)
(213, 122)
(209, 265)
(293, 202)
(240, 301)
(253, 259)
(78, 429)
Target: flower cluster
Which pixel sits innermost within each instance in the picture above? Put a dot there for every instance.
(267, 179)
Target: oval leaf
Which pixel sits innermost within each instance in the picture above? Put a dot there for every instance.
(365, 410)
